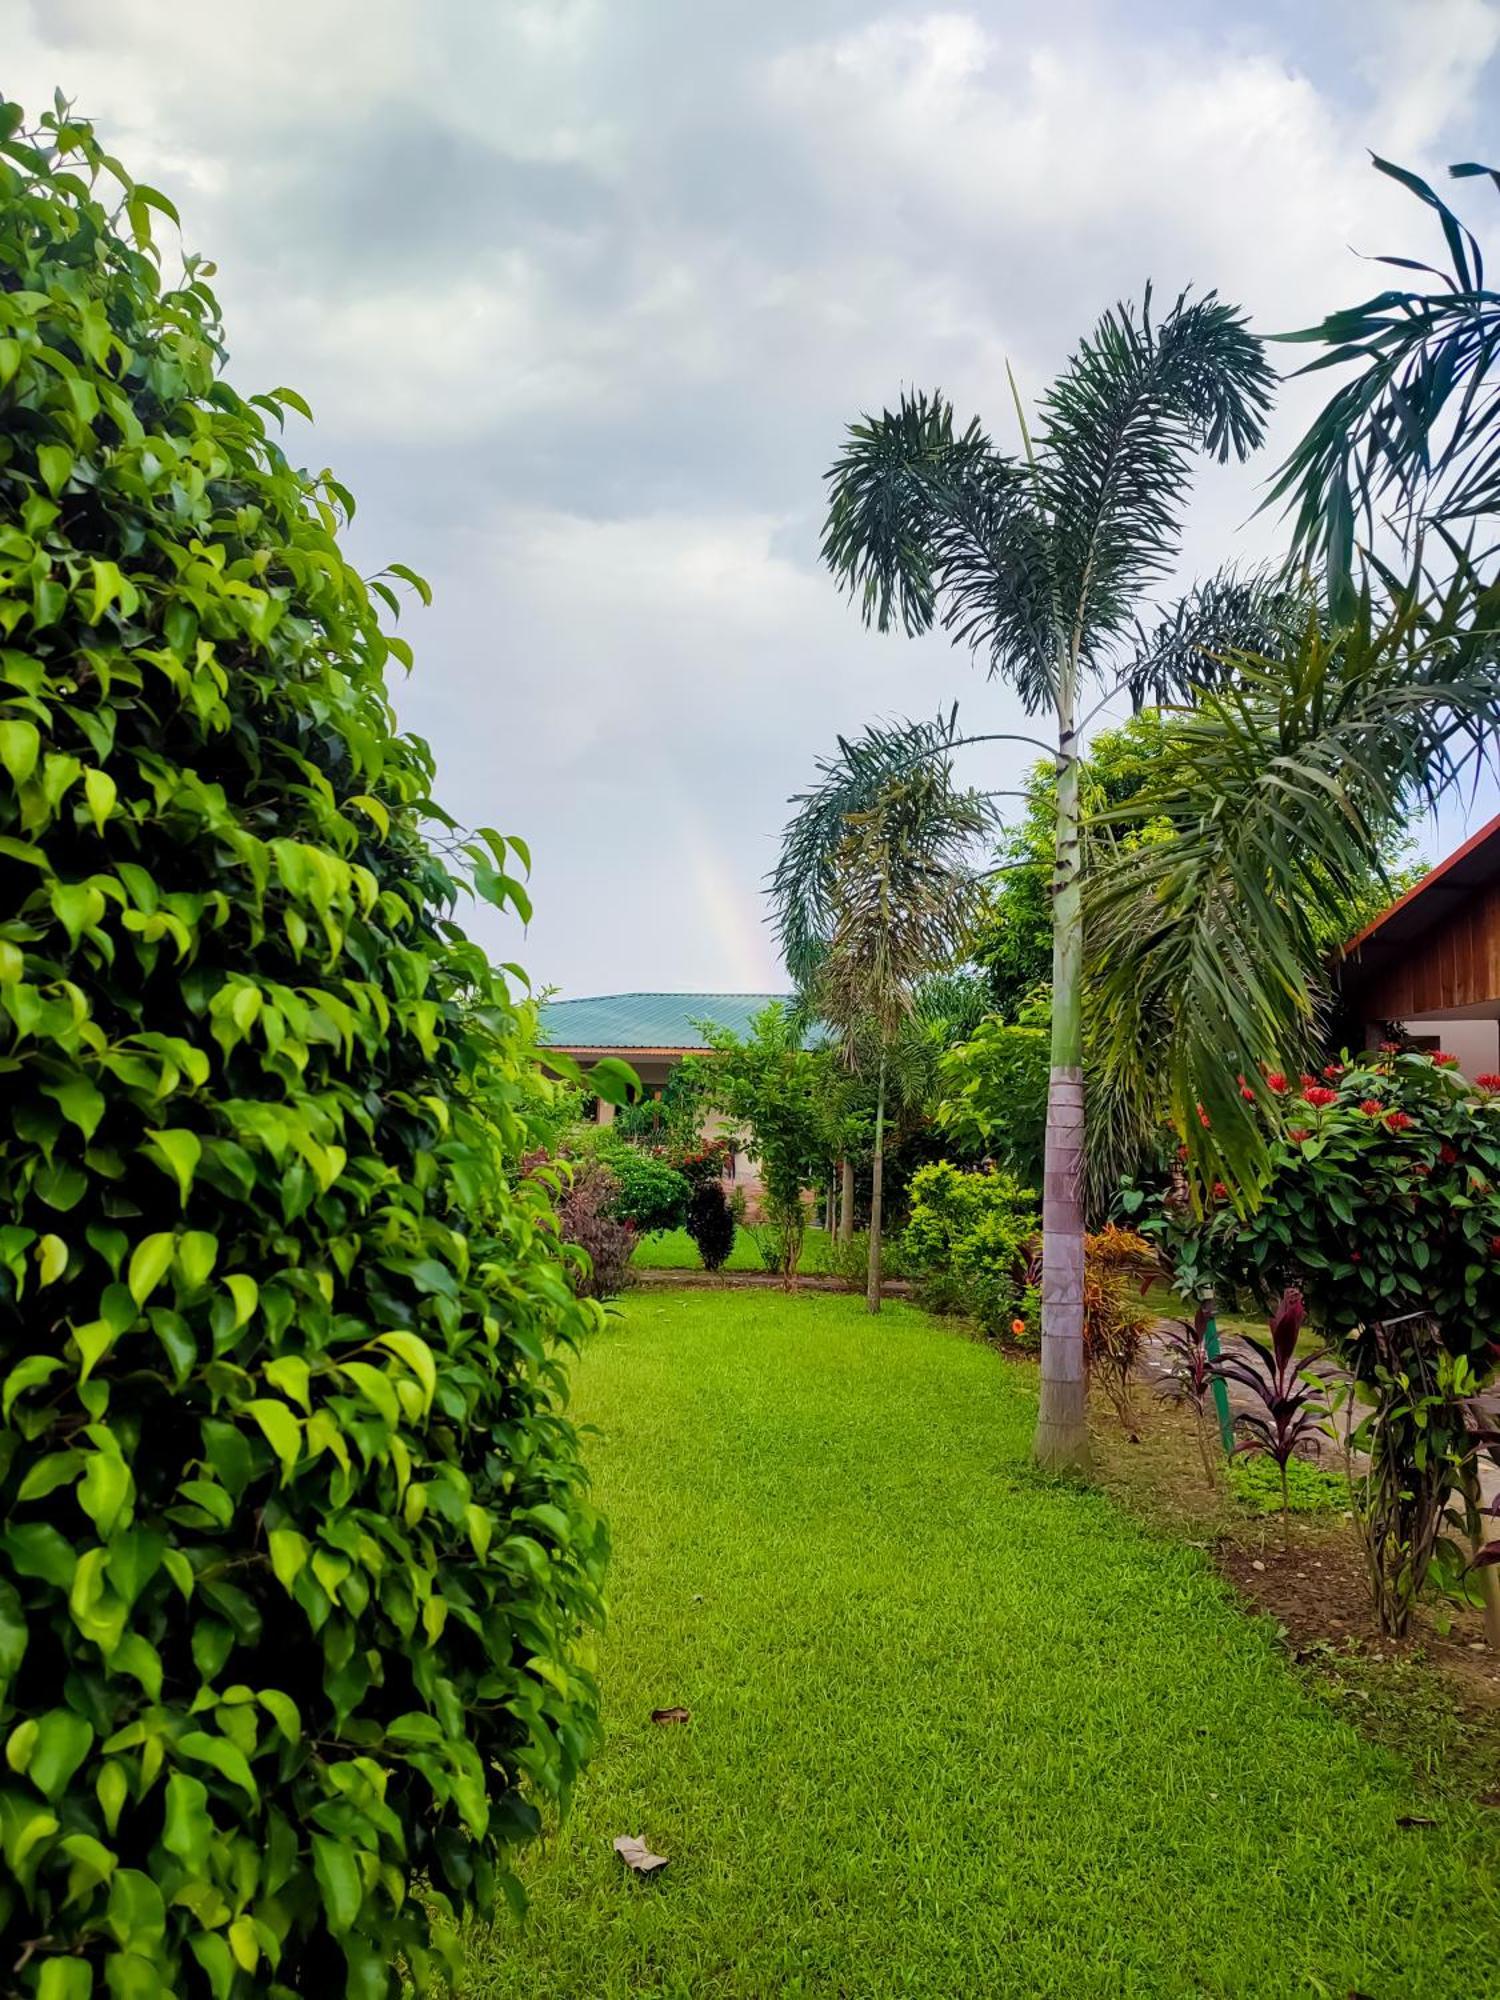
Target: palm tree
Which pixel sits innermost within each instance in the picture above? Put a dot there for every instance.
(882, 900)
(1410, 442)
(1380, 692)
(1038, 563)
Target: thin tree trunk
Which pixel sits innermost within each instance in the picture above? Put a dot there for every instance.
(830, 1213)
(1062, 1431)
(877, 1183)
(846, 1202)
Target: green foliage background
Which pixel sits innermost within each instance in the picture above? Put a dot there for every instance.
(294, 1557)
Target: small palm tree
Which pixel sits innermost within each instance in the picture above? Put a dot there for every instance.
(1038, 563)
(870, 901)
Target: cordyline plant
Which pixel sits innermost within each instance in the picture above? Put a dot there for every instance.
(1189, 1379)
(1292, 1405)
(294, 1555)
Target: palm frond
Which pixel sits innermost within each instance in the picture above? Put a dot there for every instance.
(1119, 428)
(849, 783)
(903, 897)
(932, 526)
(1413, 437)
(1206, 951)
(1189, 648)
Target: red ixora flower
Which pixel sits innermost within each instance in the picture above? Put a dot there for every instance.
(1297, 1133)
(1448, 1154)
(1355, 1257)
(1488, 1080)
(1203, 1118)
(1308, 1082)
(1495, 1246)
(1444, 1060)
(1331, 1070)
(1247, 1093)
(1317, 1096)
(1390, 1048)
(1398, 1121)
(1372, 1107)
(1220, 1192)
(1276, 1081)
(1421, 1167)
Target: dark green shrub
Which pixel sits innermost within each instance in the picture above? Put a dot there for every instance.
(651, 1194)
(293, 1554)
(710, 1223)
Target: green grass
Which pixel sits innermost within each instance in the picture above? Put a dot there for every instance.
(1311, 1489)
(955, 1730)
(675, 1250)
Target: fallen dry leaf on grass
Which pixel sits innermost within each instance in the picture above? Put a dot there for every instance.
(669, 1714)
(634, 1852)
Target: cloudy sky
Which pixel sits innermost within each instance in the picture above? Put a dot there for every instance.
(583, 291)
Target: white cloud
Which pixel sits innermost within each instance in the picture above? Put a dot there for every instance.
(583, 295)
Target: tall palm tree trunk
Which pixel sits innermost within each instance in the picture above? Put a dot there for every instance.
(1062, 1433)
(877, 1184)
(846, 1201)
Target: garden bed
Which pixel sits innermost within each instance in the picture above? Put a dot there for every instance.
(1434, 1697)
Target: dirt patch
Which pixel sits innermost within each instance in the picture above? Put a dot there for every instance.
(1434, 1698)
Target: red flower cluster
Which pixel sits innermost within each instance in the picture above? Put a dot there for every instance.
(1317, 1096)
(1220, 1192)
(1308, 1082)
(1390, 1048)
(1488, 1080)
(1421, 1167)
(1397, 1121)
(1277, 1082)
(1297, 1133)
(1372, 1107)
(1448, 1155)
(1495, 1246)
(1333, 1070)
(1443, 1060)
(1203, 1118)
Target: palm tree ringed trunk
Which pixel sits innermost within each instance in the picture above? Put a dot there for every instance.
(1062, 1434)
(877, 1183)
(846, 1200)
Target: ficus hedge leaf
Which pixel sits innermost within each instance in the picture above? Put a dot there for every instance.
(295, 1560)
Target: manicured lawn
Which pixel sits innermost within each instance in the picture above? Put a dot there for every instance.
(675, 1250)
(955, 1731)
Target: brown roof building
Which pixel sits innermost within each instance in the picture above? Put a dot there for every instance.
(1431, 962)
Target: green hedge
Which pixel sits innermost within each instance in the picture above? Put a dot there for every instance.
(293, 1554)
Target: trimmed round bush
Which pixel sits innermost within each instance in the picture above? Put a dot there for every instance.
(652, 1194)
(294, 1555)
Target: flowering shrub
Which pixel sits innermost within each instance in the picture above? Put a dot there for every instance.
(1383, 1209)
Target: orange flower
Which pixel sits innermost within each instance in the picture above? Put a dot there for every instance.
(1018, 1327)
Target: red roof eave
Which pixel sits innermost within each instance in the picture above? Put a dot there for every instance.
(1432, 879)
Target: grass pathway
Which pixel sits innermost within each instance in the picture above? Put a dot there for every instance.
(955, 1731)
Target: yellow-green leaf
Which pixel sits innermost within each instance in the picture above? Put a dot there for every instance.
(179, 1151)
(99, 790)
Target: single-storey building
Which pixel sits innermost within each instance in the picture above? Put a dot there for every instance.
(1430, 964)
(650, 1031)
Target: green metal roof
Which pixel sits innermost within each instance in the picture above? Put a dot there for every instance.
(649, 1020)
